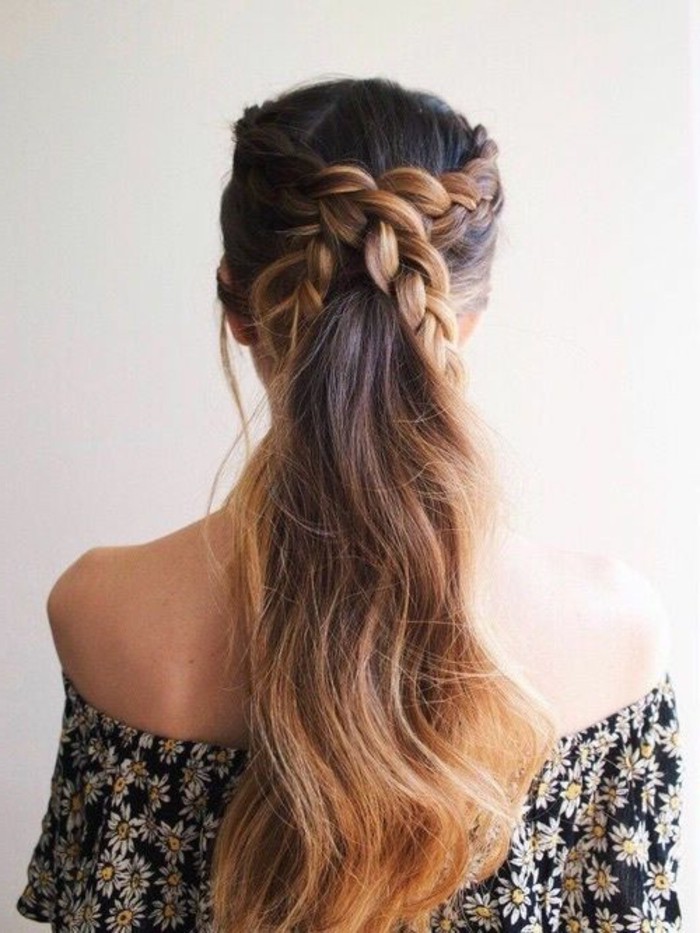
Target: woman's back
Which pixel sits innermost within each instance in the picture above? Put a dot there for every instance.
(148, 729)
(141, 632)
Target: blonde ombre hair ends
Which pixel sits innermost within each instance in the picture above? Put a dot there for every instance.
(391, 744)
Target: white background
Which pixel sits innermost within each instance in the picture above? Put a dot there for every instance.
(115, 125)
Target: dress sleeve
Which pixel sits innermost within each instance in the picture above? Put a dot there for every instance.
(38, 899)
(126, 836)
(623, 873)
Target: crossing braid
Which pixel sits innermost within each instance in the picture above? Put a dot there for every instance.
(391, 737)
(402, 224)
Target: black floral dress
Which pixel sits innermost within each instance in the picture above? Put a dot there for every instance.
(127, 836)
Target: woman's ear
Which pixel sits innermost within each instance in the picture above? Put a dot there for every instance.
(224, 273)
(242, 329)
(466, 324)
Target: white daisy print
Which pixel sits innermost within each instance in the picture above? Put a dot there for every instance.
(132, 819)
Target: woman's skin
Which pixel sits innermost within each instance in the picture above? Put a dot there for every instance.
(141, 629)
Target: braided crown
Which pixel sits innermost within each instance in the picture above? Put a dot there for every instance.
(401, 223)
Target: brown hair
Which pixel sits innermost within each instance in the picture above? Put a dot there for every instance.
(390, 745)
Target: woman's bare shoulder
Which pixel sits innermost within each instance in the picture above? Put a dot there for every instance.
(591, 631)
(162, 577)
(84, 588)
(139, 631)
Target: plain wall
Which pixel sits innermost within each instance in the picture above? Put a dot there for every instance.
(116, 146)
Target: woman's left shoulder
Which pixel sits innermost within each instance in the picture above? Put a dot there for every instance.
(79, 601)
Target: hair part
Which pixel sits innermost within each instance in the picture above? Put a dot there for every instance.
(391, 745)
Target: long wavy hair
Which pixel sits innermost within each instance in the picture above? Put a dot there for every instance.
(391, 744)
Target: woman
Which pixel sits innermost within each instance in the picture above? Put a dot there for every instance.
(352, 698)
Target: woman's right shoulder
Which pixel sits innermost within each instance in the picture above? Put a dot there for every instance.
(628, 605)
(591, 631)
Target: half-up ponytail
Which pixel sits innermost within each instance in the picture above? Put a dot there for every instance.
(390, 748)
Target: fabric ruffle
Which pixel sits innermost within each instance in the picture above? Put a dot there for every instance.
(129, 827)
(132, 817)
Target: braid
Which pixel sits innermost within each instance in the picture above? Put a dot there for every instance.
(401, 223)
(391, 745)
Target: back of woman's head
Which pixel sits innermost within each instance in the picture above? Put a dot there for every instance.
(359, 189)
(390, 746)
